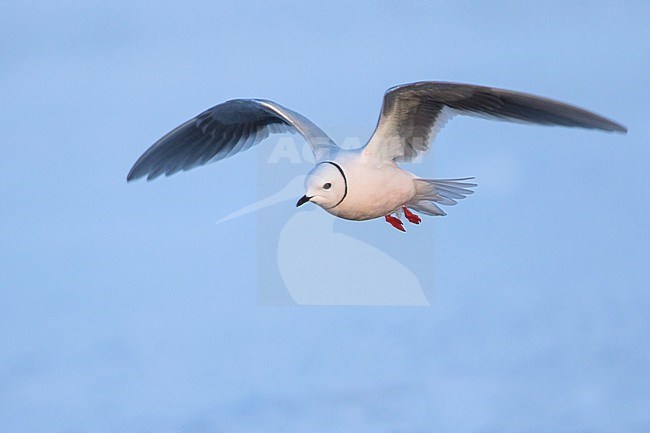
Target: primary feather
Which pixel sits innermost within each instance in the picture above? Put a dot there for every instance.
(222, 131)
(411, 114)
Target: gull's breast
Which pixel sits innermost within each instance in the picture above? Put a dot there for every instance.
(374, 191)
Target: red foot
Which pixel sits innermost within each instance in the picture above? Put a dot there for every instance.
(411, 216)
(395, 222)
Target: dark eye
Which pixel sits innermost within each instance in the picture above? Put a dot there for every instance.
(327, 185)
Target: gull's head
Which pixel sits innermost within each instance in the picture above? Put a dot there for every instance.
(325, 186)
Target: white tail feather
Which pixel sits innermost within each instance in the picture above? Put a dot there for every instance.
(446, 192)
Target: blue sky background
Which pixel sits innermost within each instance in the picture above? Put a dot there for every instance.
(124, 308)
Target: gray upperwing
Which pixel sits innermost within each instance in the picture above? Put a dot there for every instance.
(222, 131)
(411, 114)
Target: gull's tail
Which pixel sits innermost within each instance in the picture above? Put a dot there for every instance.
(446, 192)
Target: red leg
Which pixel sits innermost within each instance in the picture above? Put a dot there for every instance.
(411, 216)
(395, 222)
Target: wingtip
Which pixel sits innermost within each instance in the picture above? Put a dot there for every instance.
(131, 176)
(135, 175)
(613, 127)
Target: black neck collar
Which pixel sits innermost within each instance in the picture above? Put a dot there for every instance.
(345, 181)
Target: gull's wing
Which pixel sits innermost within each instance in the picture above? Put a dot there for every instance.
(223, 131)
(411, 115)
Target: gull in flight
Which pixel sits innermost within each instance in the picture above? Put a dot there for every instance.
(363, 183)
